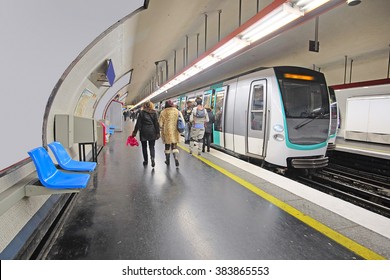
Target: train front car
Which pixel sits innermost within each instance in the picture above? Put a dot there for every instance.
(334, 124)
(299, 133)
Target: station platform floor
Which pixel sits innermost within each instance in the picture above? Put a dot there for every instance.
(212, 207)
(376, 150)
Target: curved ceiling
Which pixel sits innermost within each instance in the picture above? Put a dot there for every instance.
(359, 32)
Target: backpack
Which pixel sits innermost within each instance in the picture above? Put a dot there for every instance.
(187, 114)
(200, 113)
(180, 124)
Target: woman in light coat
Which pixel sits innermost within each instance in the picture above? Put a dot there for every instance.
(169, 133)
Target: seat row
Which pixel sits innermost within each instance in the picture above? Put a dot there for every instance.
(67, 178)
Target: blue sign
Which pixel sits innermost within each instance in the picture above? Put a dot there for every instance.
(110, 73)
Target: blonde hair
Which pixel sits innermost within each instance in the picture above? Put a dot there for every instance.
(148, 104)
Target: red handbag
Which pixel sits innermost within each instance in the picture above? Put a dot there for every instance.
(132, 141)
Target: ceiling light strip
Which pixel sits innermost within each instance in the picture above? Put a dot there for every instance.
(309, 5)
(273, 17)
(278, 18)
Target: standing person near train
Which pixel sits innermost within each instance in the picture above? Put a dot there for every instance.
(208, 129)
(169, 133)
(186, 114)
(198, 119)
(148, 127)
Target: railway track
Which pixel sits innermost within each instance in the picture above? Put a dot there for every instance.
(365, 189)
(361, 163)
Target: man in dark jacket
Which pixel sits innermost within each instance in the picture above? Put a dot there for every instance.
(186, 114)
(208, 129)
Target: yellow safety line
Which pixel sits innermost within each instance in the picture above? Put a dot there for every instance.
(332, 234)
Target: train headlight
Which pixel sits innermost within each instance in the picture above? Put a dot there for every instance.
(278, 128)
(279, 137)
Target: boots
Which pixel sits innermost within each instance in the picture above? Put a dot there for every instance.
(167, 155)
(153, 163)
(200, 147)
(176, 156)
(191, 146)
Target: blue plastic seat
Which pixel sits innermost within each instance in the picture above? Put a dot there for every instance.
(53, 178)
(66, 162)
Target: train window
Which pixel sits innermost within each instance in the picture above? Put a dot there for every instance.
(213, 102)
(257, 107)
(219, 110)
(256, 121)
(304, 100)
(258, 97)
(207, 100)
(182, 103)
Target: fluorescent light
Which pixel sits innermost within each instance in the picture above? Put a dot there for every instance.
(179, 79)
(207, 62)
(279, 17)
(192, 71)
(233, 45)
(309, 5)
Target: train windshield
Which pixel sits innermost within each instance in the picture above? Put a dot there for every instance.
(306, 105)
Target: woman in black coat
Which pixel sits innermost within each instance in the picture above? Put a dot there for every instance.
(149, 130)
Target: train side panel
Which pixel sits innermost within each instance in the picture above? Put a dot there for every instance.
(240, 115)
(229, 117)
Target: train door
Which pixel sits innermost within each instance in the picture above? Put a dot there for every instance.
(219, 105)
(256, 118)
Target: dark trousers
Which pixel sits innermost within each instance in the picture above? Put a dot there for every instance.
(207, 140)
(187, 133)
(145, 149)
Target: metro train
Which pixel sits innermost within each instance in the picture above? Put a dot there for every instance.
(335, 120)
(280, 115)
(364, 111)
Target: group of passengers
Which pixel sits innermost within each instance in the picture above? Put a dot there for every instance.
(129, 114)
(199, 125)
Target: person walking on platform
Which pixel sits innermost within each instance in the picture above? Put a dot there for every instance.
(148, 127)
(125, 114)
(208, 129)
(132, 115)
(169, 133)
(186, 114)
(198, 118)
